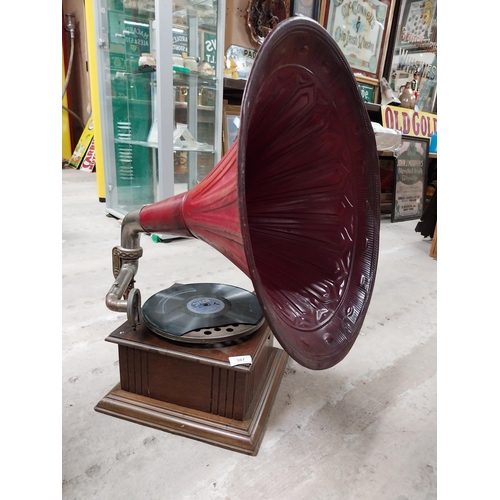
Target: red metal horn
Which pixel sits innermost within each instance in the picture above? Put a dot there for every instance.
(209, 211)
(295, 203)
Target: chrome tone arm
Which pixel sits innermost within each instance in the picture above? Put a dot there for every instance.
(125, 265)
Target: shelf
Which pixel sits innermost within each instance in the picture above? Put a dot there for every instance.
(199, 107)
(209, 149)
(234, 88)
(189, 4)
(233, 83)
(391, 154)
(370, 106)
(131, 142)
(202, 79)
(202, 149)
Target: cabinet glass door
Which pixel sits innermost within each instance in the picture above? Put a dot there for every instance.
(129, 88)
(195, 87)
(161, 110)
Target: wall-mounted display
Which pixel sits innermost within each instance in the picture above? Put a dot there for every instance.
(409, 121)
(414, 55)
(361, 29)
(369, 91)
(309, 8)
(409, 179)
(264, 15)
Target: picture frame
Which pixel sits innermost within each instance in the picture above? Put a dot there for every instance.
(262, 16)
(362, 31)
(369, 91)
(413, 52)
(231, 125)
(410, 179)
(308, 8)
(417, 24)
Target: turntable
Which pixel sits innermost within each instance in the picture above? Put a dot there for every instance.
(295, 205)
(203, 313)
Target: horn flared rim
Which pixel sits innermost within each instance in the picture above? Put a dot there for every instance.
(315, 306)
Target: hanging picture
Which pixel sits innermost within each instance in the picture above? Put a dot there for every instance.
(264, 15)
(417, 25)
(308, 8)
(361, 30)
(410, 174)
(414, 54)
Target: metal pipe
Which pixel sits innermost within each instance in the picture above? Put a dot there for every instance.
(113, 298)
(131, 229)
(125, 261)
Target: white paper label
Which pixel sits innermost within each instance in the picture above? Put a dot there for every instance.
(240, 360)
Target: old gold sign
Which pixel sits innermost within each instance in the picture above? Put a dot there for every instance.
(409, 122)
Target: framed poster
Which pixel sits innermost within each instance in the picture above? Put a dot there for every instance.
(231, 126)
(369, 91)
(361, 30)
(413, 55)
(417, 25)
(309, 8)
(410, 178)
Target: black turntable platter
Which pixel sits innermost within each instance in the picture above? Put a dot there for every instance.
(203, 312)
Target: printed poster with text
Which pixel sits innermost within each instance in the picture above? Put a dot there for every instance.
(358, 29)
(409, 180)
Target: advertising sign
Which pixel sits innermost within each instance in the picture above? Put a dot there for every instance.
(409, 179)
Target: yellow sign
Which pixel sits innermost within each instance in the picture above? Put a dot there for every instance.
(83, 144)
(409, 121)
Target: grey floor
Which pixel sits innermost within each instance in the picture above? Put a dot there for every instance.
(364, 429)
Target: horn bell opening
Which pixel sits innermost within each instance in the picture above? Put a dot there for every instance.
(309, 193)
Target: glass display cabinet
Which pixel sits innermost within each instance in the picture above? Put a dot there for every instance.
(160, 67)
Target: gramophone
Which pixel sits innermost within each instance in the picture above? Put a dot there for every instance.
(294, 204)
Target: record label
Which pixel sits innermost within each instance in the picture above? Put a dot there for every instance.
(205, 305)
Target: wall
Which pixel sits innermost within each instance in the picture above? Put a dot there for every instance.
(78, 87)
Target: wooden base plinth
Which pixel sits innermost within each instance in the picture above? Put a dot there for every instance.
(194, 391)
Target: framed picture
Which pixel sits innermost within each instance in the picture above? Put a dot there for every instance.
(361, 30)
(410, 179)
(417, 25)
(309, 8)
(369, 91)
(413, 52)
(264, 15)
(231, 126)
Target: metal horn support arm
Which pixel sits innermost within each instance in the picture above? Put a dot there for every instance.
(122, 296)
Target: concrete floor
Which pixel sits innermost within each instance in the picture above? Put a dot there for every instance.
(364, 429)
